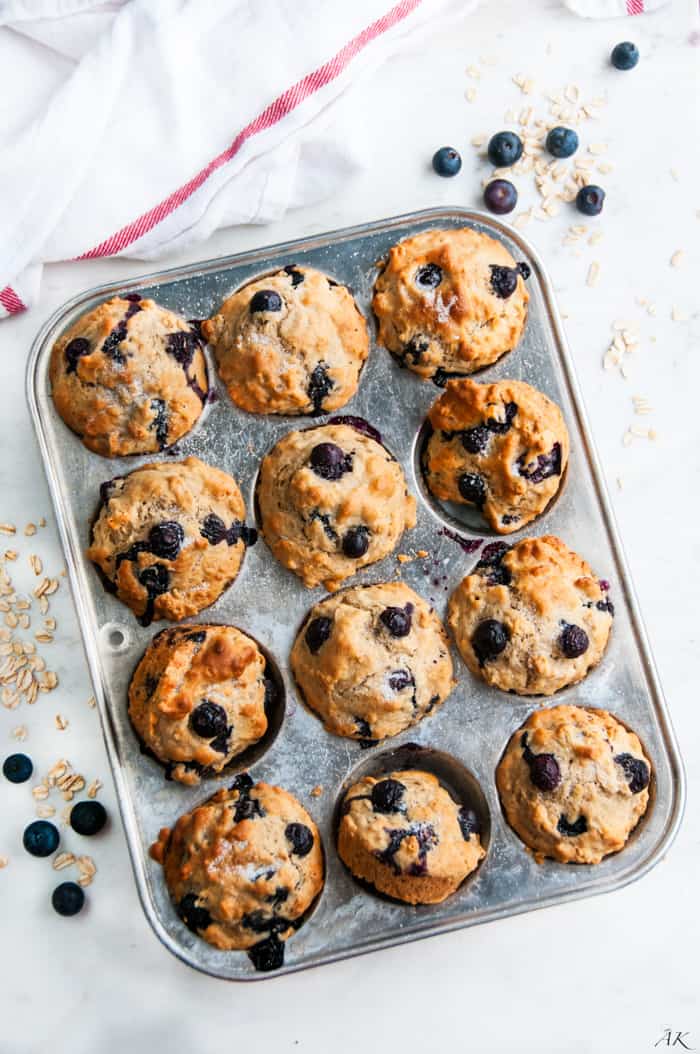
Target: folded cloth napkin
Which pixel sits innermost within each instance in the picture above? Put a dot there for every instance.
(135, 127)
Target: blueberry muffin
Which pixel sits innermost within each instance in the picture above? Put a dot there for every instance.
(197, 699)
(331, 500)
(243, 869)
(449, 302)
(293, 342)
(574, 784)
(170, 537)
(406, 836)
(500, 447)
(372, 660)
(531, 618)
(129, 377)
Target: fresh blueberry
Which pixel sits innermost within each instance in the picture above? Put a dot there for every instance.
(17, 768)
(472, 488)
(40, 838)
(489, 639)
(317, 633)
(68, 898)
(397, 620)
(268, 954)
(194, 917)
(446, 161)
(429, 276)
(266, 300)
(562, 142)
(572, 830)
(88, 817)
(74, 351)
(387, 796)
(356, 542)
(625, 56)
(544, 771)
(636, 771)
(208, 720)
(165, 539)
(329, 462)
(589, 200)
(500, 196)
(573, 641)
(474, 440)
(504, 280)
(468, 822)
(301, 838)
(213, 529)
(319, 386)
(505, 148)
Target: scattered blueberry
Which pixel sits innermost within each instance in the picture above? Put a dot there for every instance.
(317, 633)
(40, 838)
(468, 822)
(266, 300)
(88, 817)
(387, 796)
(74, 351)
(489, 639)
(400, 679)
(165, 539)
(573, 641)
(68, 898)
(636, 771)
(17, 768)
(429, 276)
(562, 142)
(356, 542)
(589, 200)
(505, 148)
(208, 720)
(329, 462)
(572, 830)
(193, 916)
(446, 161)
(474, 440)
(625, 56)
(397, 620)
(544, 771)
(301, 838)
(500, 196)
(472, 488)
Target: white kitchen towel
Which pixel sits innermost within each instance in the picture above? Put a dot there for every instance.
(135, 127)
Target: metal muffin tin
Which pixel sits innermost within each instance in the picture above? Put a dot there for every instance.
(465, 738)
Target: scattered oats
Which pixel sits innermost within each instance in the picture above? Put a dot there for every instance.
(470, 94)
(675, 174)
(488, 60)
(42, 522)
(50, 623)
(51, 679)
(35, 564)
(474, 72)
(43, 638)
(11, 620)
(572, 93)
(619, 482)
(677, 258)
(40, 792)
(404, 558)
(61, 722)
(43, 605)
(317, 791)
(20, 733)
(70, 784)
(11, 554)
(605, 167)
(45, 811)
(24, 621)
(86, 870)
(8, 528)
(422, 553)
(30, 529)
(641, 405)
(509, 116)
(41, 588)
(94, 787)
(65, 815)
(92, 702)
(3, 861)
(58, 770)
(551, 207)
(597, 149)
(593, 273)
(678, 315)
(595, 237)
(51, 587)
(523, 219)
(63, 860)
(633, 433)
(478, 140)
(22, 605)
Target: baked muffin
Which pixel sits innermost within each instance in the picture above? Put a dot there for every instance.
(170, 537)
(532, 618)
(372, 660)
(129, 377)
(573, 783)
(406, 836)
(449, 302)
(331, 500)
(499, 447)
(292, 342)
(243, 868)
(197, 699)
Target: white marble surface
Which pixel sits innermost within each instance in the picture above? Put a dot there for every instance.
(607, 974)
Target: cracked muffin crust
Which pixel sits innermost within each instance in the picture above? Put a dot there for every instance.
(406, 836)
(449, 302)
(573, 783)
(331, 500)
(372, 660)
(531, 618)
(501, 447)
(293, 342)
(243, 868)
(197, 699)
(170, 537)
(129, 377)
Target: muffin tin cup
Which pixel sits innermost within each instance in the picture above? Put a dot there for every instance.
(471, 728)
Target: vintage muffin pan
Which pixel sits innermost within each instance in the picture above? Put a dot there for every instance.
(461, 741)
